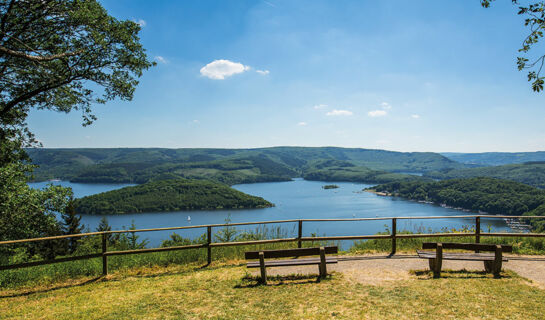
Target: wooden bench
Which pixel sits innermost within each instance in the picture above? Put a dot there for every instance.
(322, 261)
(492, 261)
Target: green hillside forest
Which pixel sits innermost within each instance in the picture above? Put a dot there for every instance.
(488, 195)
(230, 166)
(495, 158)
(169, 195)
(531, 173)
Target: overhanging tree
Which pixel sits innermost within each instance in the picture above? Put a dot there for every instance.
(62, 55)
(59, 55)
(534, 14)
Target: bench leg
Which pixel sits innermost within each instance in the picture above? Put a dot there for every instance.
(262, 268)
(438, 261)
(431, 262)
(323, 268)
(497, 262)
(488, 266)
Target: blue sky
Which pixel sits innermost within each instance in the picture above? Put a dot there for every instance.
(397, 75)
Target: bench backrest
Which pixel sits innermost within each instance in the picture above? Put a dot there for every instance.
(285, 253)
(467, 246)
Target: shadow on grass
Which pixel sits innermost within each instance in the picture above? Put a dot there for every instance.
(52, 288)
(250, 281)
(459, 274)
(116, 275)
(145, 273)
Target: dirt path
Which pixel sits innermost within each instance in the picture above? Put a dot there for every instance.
(376, 269)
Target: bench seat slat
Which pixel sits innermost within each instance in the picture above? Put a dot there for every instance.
(459, 256)
(468, 246)
(284, 253)
(291, 262)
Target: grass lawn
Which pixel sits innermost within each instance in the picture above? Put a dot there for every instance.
(229, 292)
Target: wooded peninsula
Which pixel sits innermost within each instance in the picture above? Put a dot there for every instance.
(169, 195)
(482, 194)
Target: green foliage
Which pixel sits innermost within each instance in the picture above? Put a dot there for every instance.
(478, 194)
(169, 195)
(531, 173)
(495, 158)
(27, 212)
(71, 225)
(534, 13)
(63, 55)
(129, 241)
(335, 170)
(227, 233)
(177, 240)
(59, 55)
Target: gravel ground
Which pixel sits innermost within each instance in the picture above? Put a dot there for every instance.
(378, 269)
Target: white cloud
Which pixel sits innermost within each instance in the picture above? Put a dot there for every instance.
(161, 59)
(263, 72)
(336, 112)
(415, 116)
(377, 113)
(196, 121)
(221, 69)
(140, 22)
(320, 106)
(385, 106)
(302, 123)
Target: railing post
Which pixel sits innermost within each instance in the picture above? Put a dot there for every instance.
(394, 232)
(104, 256)
(208, 241)
(478, 230)
(300, 234)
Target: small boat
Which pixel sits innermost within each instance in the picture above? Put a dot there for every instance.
(188, 218)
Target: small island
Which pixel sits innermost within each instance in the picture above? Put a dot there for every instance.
(330, 186)
(169, 195)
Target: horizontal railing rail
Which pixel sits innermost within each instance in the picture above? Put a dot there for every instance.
(393, 236)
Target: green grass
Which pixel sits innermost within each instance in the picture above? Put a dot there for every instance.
(228, 292)
(58, 272)
(521, 245)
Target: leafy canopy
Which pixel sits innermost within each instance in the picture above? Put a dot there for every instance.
(58, 55)
(62, 55)
(535, 20)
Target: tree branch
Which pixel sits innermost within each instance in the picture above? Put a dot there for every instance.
(9, 106)
(23, 55)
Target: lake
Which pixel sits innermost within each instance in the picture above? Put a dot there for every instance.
(297, 199)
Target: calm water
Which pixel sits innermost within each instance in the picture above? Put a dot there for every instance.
(298, 199)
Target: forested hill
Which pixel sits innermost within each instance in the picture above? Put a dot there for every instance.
(229, 166)
(478, 194)
(532, 173)
(169, 195)
(338, 170)
(495, 158)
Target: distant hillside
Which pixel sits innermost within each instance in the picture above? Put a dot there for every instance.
(532, 173)
(338, 170)
(230, 166)
(478, 194)
(169, 195)
(495, 158)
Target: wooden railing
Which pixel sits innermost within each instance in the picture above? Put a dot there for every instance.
(299, 239)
